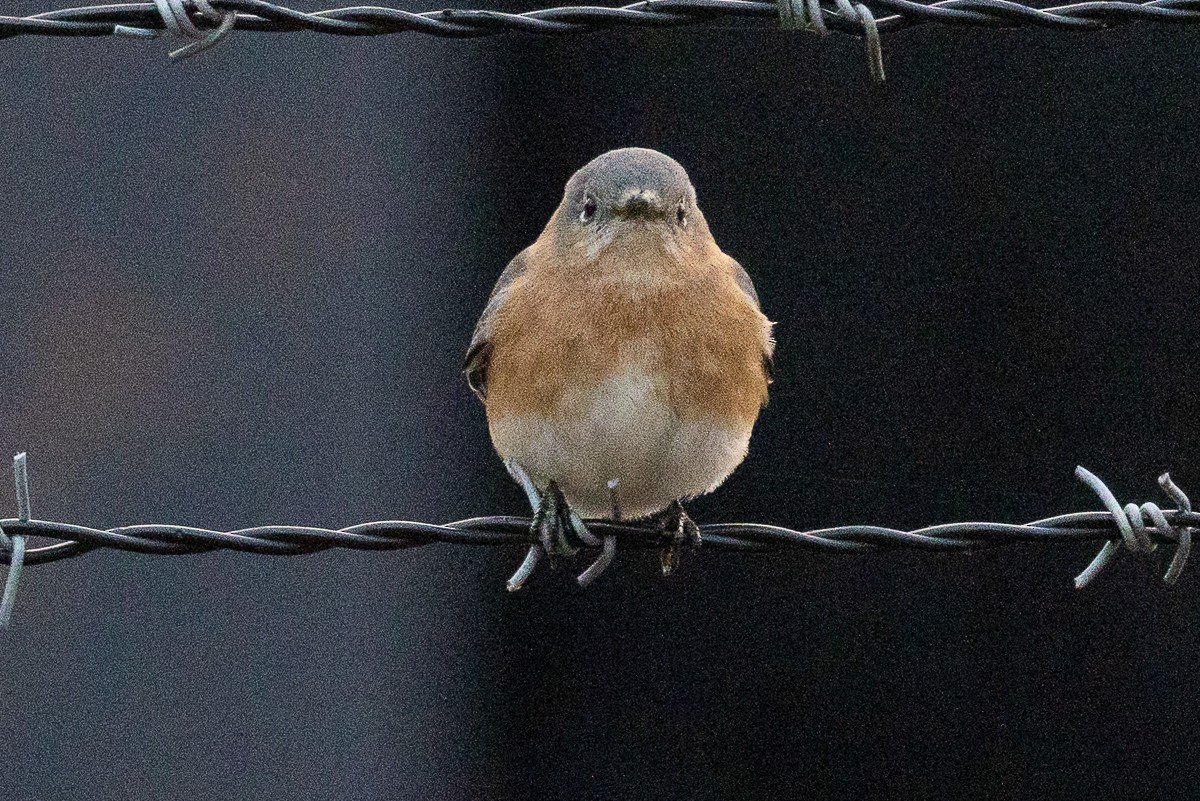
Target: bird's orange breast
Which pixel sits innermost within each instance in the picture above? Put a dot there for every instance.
(565, 328)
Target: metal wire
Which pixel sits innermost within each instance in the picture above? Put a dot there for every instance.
(196, 18)
(204, 23)
(259, 15)
(1115, 526)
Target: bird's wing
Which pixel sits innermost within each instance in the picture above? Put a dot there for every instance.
(480, 352)
(747, 286)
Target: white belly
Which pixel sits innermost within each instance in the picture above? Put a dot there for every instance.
(621, 430)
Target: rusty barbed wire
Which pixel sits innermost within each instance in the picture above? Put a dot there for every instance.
(1114, 526)
(204, 22)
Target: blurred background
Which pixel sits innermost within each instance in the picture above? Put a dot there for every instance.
(237, 290)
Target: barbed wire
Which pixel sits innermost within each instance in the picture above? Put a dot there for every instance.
(1141, 528)
(204, 22)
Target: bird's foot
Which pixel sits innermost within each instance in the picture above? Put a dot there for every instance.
(559, 531)
(677, 531)
(554, 525)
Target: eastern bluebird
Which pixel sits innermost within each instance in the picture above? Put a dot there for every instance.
(622, 357)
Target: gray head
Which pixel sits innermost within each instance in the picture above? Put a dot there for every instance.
(625, 192)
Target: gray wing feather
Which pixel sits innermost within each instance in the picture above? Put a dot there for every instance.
(747, 286)
(744, 283)
(479, 353)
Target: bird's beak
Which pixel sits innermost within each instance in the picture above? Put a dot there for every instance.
(640, 203)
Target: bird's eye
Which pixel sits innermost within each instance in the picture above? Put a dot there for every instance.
(589, 210)
(681, 215)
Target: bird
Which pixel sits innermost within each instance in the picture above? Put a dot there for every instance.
(622, 358)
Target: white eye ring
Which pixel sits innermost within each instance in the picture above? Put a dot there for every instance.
(589, 210)
(680, 215)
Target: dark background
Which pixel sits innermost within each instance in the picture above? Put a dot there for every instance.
(236, 291)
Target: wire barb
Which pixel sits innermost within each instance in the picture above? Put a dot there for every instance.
(802, 15)
(1185, 532)
(15, 545)
(870, 31)
(176, 18)
(874, 45)
(175, 15)
(1135, 534)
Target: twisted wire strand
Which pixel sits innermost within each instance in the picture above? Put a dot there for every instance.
(848, 17)
(1140, 529)
(391, 535)
(204, 23)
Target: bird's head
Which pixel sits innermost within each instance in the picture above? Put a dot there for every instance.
(626, 200)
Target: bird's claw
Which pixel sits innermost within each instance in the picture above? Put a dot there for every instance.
(553, 526)
(678, 531)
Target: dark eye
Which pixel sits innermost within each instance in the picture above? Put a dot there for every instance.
(681, 215)
(589, 210)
